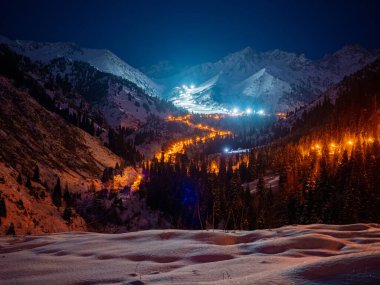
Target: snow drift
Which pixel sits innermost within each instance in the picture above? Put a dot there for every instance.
(313, 254)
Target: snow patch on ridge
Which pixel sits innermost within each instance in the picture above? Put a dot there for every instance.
(102, 59)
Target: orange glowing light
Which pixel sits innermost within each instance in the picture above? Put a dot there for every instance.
(136, 184)
(180, 146)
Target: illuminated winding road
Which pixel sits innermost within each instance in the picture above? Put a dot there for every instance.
(181, 145)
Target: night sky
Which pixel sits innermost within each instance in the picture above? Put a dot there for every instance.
(185, 32)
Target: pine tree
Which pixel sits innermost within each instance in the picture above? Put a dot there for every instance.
(67, 214)
(67, 196)
(235, 202)
(11, 230)
(57, 194)
(19, 179)
(36, 174)
(261, 202)
(252, 166)
(28, 184)
(3, 209)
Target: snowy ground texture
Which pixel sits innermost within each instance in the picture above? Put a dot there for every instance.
(313, 254)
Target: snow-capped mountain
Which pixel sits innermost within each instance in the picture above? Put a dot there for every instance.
(102, 59)
(80, 87)
(364, 78)
(120, 102)
(273, 80)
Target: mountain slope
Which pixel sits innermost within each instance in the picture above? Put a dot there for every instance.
(354, 101)
(31, 136)
(120, 101)
(290, 80)
(77, 87)
(103, 60)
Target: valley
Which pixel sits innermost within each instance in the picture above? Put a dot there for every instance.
(189, 142)
(234, 165)
(266, 149)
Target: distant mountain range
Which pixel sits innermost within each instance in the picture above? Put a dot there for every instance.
(273, 80)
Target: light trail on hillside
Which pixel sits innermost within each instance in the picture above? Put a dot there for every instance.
(179, 147)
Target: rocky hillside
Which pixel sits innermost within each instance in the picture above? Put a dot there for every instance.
(30, 137)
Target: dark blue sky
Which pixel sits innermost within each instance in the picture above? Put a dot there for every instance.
(185, 32)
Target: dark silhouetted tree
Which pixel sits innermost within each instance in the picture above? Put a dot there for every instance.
(57, 194)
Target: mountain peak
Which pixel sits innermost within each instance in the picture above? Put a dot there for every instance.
(247, 50)
(4, 40)
(351, 49)
(245, 53)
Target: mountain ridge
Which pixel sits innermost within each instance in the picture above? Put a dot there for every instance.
(102, 59)
(307, 78)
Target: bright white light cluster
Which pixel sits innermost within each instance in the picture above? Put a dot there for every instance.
(261, 112)
(248, 111)
(185, 87)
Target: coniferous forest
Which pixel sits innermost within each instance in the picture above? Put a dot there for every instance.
(325, 170)
(190, 142)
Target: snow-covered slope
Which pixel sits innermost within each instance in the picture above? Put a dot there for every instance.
(312, 254)
(199, 99)
(81, 88)
(362, 78)
(120, 102)
(102, 59)
(263, 87)
(273, 80)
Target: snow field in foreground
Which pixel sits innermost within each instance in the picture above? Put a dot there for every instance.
(312, 254)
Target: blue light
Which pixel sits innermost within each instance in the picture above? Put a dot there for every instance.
(188, 194)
